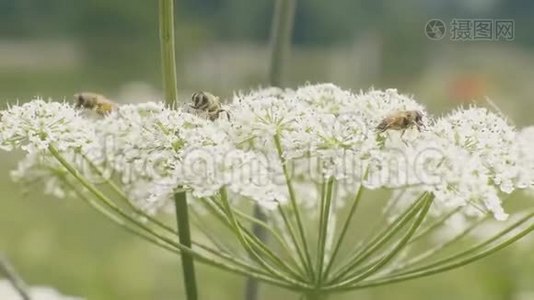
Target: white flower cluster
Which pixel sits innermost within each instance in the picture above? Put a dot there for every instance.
(35, 125)
(314, 133)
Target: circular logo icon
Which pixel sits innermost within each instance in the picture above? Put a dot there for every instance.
(435, 29)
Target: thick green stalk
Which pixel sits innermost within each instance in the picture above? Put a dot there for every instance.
(168, 56)
(252, 285)
(281, 31)
(184, 235)
(168, 65)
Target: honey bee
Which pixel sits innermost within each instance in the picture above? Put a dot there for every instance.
(96, 102)
(402, 120)
(208, 103)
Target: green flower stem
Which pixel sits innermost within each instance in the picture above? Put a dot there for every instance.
(225, 254)
(168, 54)
(108, 203)
(257, 243)
(125, 221)
(220, 211)
(423, 232)
(184, 234)
(116, 189)
(222, 251)
(114, 217)
(380, 240)
(442, 268)
(473, 250)
(151, 239)
(325, 207)
(344, 229)
(238, 229)
(294, 205)
(391, 205)
(275, 234)
(422, 211)
(14, 278)
(197, 222)
(423, 256)
(242, 269)
(126, 200)
(110, 183)
(231, 258)
(282, 27)
(293, 237)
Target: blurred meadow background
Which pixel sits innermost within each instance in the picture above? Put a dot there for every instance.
(55, 48)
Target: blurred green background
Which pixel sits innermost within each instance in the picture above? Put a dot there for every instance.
(55, 48)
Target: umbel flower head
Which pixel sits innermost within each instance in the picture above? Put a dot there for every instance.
(300, 155)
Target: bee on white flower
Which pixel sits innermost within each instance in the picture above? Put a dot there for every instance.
(209, 104)
(95, 102)
(402, 120)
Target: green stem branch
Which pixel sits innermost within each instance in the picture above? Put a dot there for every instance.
(359, 276)
(294, 205)
(344, 229)
(379, 241)
(113, 213)
(325, 206)
(442, 268)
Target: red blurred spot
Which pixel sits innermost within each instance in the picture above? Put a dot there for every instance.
(467, 88)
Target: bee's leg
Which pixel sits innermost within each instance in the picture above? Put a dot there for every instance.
(225, 112)
(401, 137)
(418, 126)
(402, 133)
